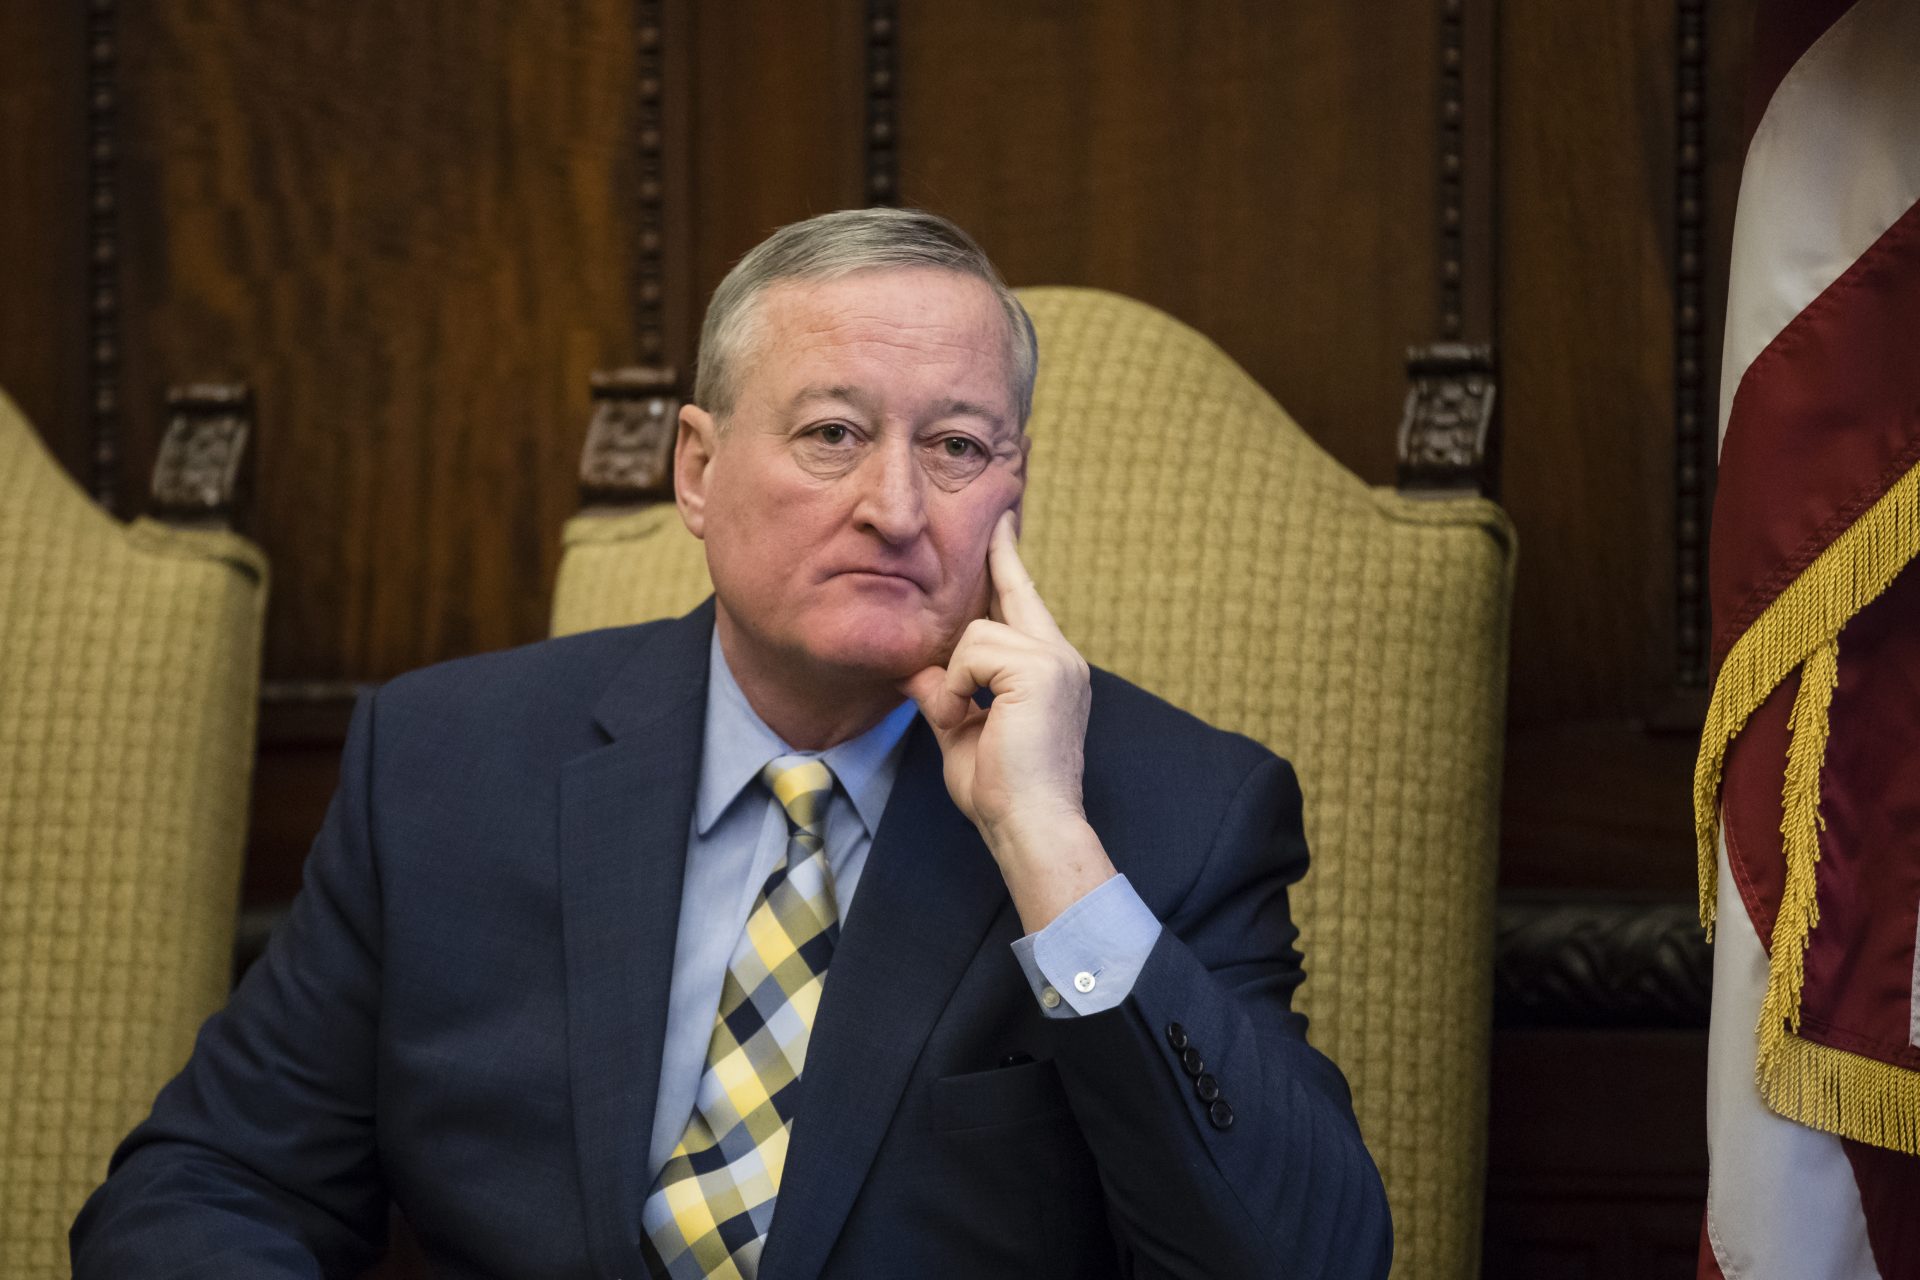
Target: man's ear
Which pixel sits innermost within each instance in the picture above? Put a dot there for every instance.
(693, 466)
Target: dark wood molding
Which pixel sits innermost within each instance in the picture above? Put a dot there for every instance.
(1695, 423)
(310, 693)
(1452, 134)
(650, 257)
(883, 70)
(1448, 439)
(628, 458)
(103, 258)
(199, 474)
(1449, 443)
(1464, 135)
(1577, 963)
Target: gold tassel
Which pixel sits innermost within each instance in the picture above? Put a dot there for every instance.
(1854, 569)
(1844, 1093)
(1800, 828)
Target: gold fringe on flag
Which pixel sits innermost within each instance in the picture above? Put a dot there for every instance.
(1819, 1086)
(1800, 828)
(1855, 568)
(1839, 1092)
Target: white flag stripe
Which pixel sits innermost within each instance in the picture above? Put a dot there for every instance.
(1913, 995)
(1832, 165)
(1782, 1205)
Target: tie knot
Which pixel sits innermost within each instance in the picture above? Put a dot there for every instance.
(802, 785)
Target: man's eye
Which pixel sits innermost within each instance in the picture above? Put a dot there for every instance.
(959, 447)
(832, 433)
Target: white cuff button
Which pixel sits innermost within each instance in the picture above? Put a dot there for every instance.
(1049, 997)
(1083, 982)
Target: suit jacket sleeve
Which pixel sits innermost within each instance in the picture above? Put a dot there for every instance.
(1286, 1188)
(258, 1158)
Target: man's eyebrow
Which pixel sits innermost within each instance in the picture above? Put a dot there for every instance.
(820, 391)
(996, 425)
(840, 393)
(968, 409)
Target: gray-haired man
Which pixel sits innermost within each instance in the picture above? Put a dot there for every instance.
(759, 942)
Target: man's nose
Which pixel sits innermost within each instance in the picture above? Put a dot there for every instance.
(893, 499)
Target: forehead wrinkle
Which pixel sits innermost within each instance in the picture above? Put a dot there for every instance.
(882, 331)
(860, 328)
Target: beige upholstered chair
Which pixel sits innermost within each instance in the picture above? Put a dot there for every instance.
(1190, 536)
(129, 672)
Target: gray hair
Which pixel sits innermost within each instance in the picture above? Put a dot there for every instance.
(839, 244)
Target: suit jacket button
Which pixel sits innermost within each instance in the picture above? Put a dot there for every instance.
(1220, 1114)
(1206, 1088)
(1176, 1036)
(1191, 1061)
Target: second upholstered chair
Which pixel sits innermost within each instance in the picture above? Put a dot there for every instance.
(129, 672)
(1189, 536)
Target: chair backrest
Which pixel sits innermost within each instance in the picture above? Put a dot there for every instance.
(1189, 536)
(129, 674)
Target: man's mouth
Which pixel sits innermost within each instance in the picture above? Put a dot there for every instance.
(877, 576)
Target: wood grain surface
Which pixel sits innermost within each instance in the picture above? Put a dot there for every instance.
(404, 227)
(43, 225)
(1264, 173)
(414, 229)
(1587, 374)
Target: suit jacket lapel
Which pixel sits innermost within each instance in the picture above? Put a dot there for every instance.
(929, 892)
(625, 810)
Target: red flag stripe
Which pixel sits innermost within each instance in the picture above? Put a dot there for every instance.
(1889, 1184)
(1827, 416)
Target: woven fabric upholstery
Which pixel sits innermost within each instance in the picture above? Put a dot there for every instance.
(129, 670)
(1189, 536)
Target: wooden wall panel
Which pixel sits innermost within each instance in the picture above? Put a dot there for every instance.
(1592, 281)
(414, 230)
(1264, 172)
(1586, 98)
(1596, 1159)
(778, 114)
(43, 222)
(408, 229)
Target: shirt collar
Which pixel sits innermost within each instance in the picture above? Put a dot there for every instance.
(739, 744)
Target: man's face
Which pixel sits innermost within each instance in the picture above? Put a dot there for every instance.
(847, 500)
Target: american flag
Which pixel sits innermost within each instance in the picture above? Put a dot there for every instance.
(1807, 796)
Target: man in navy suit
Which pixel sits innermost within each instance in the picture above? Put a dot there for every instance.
(848, 926)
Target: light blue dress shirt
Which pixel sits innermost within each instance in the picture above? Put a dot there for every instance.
(1084, 962)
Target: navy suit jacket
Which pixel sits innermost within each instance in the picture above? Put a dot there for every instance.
(463, 1013)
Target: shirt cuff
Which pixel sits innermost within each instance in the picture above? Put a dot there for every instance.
(1087, 959)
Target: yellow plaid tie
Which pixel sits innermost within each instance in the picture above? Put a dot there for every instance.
(711, 1206)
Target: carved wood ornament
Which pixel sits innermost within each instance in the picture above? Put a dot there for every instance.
(198, 475)
(628, 459)
(1448, 444)
(1601, 964)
